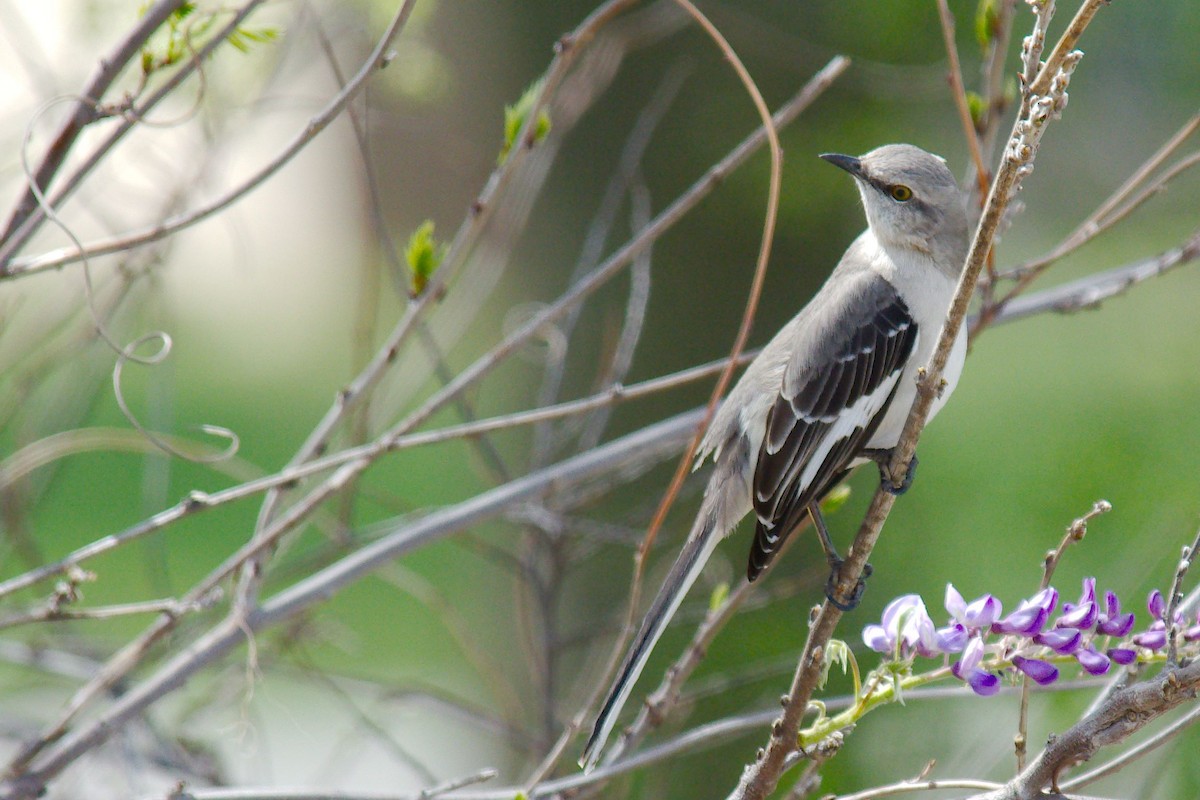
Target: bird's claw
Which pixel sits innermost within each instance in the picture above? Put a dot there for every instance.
(885, 479)
(835, 580)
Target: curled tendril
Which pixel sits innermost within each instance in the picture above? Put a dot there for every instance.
(127, 352)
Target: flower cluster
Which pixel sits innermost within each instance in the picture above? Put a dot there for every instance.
(1031, 639)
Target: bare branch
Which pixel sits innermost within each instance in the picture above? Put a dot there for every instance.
(87, 109)
(1124, 713)
(1092, 290)
(1132, 754)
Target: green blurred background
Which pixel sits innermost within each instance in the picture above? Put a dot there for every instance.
(1052, 413)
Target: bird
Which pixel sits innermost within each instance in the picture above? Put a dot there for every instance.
(830, 391)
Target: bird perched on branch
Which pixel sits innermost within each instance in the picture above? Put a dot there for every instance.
(831, 390)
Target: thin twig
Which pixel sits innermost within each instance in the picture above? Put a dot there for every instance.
(598, 231)
(760, 270)
(1088, 292)
(959, 93)
(1113, 210)
(925, 785)
(1075, 532)
(1186, 559)
(53, 614)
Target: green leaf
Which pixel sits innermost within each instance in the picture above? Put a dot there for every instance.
(423, 255)
(515, 117)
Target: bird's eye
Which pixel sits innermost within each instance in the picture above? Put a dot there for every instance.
(900, 193)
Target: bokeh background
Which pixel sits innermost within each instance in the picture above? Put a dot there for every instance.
(274, 305)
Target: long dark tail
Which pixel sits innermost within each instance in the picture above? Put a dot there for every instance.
(683, 574)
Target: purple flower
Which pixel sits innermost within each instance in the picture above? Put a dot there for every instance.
(1094, 662)
(952, 638)
(1083, 614)
(1030, 616)
(905, 622)
(877, 639)
(1192, 634)
(1156, 604)
(1122, 655)
(979, 614)
(984, 684)
(967, 669)
(1059, 640)
(1153, 638)
(1112, 622)
(1041, 671)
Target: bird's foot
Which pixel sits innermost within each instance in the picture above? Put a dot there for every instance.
(833, 585)
(883, 459)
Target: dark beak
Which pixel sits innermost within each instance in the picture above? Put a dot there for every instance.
(848, 163)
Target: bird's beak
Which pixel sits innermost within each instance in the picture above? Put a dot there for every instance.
(848, 163)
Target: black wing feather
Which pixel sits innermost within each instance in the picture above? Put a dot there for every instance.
(877, 334)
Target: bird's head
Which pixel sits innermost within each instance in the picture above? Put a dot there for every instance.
(912, 201)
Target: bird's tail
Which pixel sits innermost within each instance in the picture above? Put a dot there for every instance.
(687, 567)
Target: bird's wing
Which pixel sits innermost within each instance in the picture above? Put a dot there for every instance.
(835, 391)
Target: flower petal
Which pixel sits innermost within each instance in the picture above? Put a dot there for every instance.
(982, 612)
(1156, 604)
(1041, 671)
(1154, 638)
(1112, 604)
(1027, 621)
(952, 638)
(1122, 655)
(1081, 616)
(893, 610)
(876, 638)
(1119, 625)
(972, 656)
(1047, 598)
(954, 603)
(1060, 640)
(1095, 663)
(984, 684)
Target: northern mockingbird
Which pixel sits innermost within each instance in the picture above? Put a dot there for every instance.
(832, 389)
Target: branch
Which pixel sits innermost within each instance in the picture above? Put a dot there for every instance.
(1090, 291)
(86, 108)
(1134, 753)
(1126, 712)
